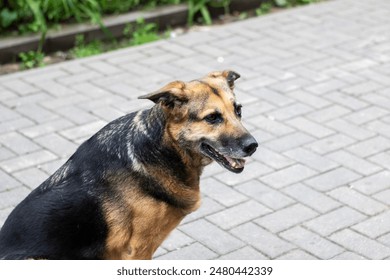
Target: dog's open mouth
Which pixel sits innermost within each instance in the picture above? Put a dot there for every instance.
(235, 165)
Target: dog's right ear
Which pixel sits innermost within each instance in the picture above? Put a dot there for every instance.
(170, 95)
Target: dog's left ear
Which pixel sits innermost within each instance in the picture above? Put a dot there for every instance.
(170, 95)
(230, 76)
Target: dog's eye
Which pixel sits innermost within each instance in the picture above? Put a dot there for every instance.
(214, 118)
(237, 109)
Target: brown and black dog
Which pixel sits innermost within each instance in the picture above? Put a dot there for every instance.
(127, 187)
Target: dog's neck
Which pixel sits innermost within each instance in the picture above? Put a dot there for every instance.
(158, 148)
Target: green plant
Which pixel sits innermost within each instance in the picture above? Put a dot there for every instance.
(196, 6)
(31, 59)
(202, 6)
(142, 32)
(83, 49)
(264, 8)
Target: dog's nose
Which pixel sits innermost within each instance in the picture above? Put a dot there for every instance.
(249, 145)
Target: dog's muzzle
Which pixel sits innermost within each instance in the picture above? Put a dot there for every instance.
(231, 155)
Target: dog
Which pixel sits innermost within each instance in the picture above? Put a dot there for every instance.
(128, 186)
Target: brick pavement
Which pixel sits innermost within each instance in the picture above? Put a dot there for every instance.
(315, 88)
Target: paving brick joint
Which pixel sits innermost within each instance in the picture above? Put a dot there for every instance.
(315, 89)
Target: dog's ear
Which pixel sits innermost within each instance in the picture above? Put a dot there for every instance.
(230, 77)
(170, 95)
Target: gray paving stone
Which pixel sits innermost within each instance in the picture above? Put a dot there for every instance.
(76, 115)
(312, 198)
(254, 108)
(334, 221)
(309, 99)
(267, 196)
(31, 177)
(36, 113)
(310, 128)
(54, 89)
(326, 86)
(44, 74)
(63, 101)
(251, 170)
(290, 84)
(385, 239)
(5, 153)
(357, 201)
(195, 251)
(238, 214)
(18, 143)
(383, 196)
(311, 159)
(362, 88)
(246, 253)
(81, 77)
(378, 100)
(271, 158)
(353, 162)
(51, 166)
(103, 67)
(332, 179)
(290, 141)
(269, 244)
(270, 125)
(57, 144)
(86, 130)
(290, 111)
(212, 237)
(379, 127)
(297, 255)
(286, 218)
(90, 90)
(375, 226)
(350, 129)
(312, 243)
(46, 128)
(288, 176)
(28, 99)
(4, 213)
(348, 256)
(346, 100)
(360, 244)
(211, 170)
(370, 146)
(329, 113)
(19, 86)
(7, 182)
(382, 159)
(27, 160)
(331, 143)
(273, 97)
(221, 193)
(373, 183)
(366, 115)
(7, 114)
(12, 197)
(176, 240)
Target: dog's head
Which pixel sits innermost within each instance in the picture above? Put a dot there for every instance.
(204, 117)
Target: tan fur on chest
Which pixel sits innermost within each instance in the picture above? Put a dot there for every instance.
(138, 228)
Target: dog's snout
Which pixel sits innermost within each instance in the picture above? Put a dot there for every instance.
(249, 145)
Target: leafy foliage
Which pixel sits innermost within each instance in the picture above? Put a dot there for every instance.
(83, 49)
(31, 59)
(142, 32)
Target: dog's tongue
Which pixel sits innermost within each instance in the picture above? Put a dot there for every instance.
(236, 162)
